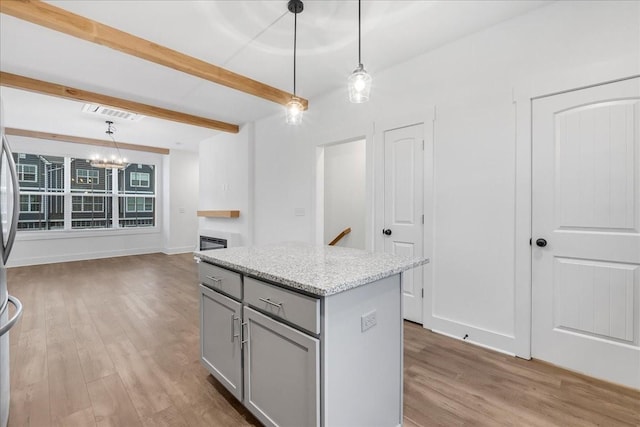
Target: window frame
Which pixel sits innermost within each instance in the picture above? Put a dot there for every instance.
(139, 174)
(20, 171)
(117, 221)
(135, 203)
(30, 203)
(92, 204)
(97, 177)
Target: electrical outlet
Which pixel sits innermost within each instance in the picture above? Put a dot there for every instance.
(368, 320)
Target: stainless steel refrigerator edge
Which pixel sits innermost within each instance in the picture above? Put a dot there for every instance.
(9, 211)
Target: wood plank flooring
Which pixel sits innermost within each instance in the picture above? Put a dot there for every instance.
(114, 342)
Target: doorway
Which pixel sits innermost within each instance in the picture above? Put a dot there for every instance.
(586, 231)
(345, 193)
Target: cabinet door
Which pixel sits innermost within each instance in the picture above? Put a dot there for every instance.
(220, 343)
(281, 373)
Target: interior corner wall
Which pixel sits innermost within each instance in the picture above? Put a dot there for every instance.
(226, 181)
(471, 82)
(180, 207)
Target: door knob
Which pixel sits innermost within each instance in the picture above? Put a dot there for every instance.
(541, 242)
(386, 232)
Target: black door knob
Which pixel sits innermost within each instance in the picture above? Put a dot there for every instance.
(541, 242)
(386, 232)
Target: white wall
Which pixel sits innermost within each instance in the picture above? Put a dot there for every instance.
(180, 230)
(171, 235)
(226, 181)
(480, 167)
(345, 193)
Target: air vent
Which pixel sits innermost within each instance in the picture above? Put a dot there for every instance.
(111, 113)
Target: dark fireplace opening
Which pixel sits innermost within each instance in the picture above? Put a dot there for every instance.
(207, 242)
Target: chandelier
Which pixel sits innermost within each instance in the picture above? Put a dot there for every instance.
(114, 161)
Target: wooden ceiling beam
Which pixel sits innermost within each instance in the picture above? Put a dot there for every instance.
(39, 86)
(61, 20)
(80, 140)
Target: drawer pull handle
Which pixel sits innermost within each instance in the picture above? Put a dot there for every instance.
(242, 325)
(214, 279)
(233, 327)
(268, 301)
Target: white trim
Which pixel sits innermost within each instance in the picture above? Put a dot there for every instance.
(82, 233)
(83, 256)
(498, 349)
(522, 230)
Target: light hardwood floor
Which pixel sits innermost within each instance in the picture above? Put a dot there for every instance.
(114, 342)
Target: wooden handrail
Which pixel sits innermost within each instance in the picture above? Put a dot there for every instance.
(340, 236)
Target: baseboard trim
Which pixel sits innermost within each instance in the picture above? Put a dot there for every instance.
(80, 257)
(476, 343)
(481, 337)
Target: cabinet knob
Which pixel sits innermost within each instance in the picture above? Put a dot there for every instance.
(386, 232)
(541, 242)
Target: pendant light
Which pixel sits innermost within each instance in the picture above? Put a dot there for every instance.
(114, 162)
(294, 106)
(359, 80)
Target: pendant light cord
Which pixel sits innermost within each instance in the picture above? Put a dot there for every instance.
(295, 39)
(110, 131)
(359, 37)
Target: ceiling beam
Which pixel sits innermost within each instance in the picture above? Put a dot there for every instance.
(39, 86)
(80, 140)
(61, 20)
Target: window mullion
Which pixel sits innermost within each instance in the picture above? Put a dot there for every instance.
(115, 212)
(67, 193)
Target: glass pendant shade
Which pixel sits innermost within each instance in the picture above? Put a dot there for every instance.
(294, 111)
(359, 85)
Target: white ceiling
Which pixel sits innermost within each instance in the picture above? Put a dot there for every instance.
(253, 38)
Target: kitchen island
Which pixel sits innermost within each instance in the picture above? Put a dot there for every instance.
(306, 335)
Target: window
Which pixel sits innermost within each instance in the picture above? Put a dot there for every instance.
(91, 193)
(139, 179)
(139, 204)
(27, 173)
(87, 204)
(87, 176)
(30, 203)
(41, 179)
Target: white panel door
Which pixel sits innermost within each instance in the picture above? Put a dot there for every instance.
(586, 206)
(404, 207)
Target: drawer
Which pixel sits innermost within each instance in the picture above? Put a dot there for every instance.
(298, 309)
(220, 279)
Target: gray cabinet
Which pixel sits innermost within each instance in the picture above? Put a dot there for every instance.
(297, 360)
(220, 344)
(273, 368)
(281, 373)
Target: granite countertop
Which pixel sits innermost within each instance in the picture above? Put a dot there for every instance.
(319, 270)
